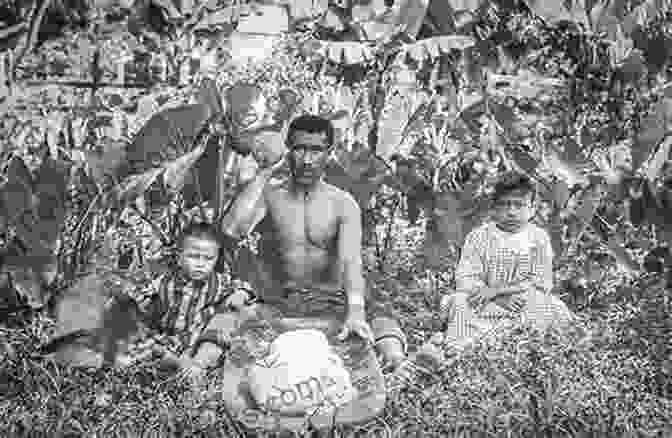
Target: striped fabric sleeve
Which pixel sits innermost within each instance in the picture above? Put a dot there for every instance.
(150, 302)
(471, 268)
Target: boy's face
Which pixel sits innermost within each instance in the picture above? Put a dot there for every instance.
(198, 257)
(513, 210)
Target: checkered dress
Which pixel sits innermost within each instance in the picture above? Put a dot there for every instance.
(492, 257)
(178, 310)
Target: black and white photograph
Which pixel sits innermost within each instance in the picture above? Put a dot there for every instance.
(336, 218)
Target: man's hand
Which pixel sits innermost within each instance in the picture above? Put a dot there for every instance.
(236, 300)
(356, 324)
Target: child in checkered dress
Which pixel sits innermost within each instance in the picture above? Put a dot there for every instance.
(505, 274)
(505, 270)
(190, 312)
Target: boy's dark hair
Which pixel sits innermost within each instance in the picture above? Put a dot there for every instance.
(200, 230)
(312, 124)
(513, 182)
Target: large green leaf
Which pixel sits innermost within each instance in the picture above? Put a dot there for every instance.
(176, 171)
(525, 85)
(574, 11)
(641, 15)
(17, 192)
(166, 135)
(431, 48)
(655, 126)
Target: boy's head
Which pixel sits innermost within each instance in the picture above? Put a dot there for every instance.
(199, 247)
(513, 202)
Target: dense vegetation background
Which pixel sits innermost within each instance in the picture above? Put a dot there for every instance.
(432, 101)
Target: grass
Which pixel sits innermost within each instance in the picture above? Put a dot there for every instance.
(601, 377)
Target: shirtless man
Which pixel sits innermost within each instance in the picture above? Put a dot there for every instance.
(311, 236)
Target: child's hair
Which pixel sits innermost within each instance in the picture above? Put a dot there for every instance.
(513, 182)
(200, 230)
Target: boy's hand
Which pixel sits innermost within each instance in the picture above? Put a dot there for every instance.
(237, 300)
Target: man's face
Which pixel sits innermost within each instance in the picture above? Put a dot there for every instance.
(513, 210)
(308, 154)
(198, 257)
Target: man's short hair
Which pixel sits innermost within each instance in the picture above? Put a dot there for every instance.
(312, 124)
(200, 230)
(513, 183)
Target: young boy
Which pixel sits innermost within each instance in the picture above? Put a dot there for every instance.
(186, 310)
(505, 273)
(505, 270)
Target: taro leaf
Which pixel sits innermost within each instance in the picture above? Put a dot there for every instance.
(300, 10)
(105, 165)
(505, 117)
(659, 159)
(560, 193)
(209, 95)
(616, 246)
(523, 159)
(525, 85)
(653, 131)
(168, 9)
(436, 46)
(449, 224)
(81, 306)
(17, 192)
(166, 135)
(27, 284)
(362, 188)
(421, 196)
(410, 16)
(589, 202)
(644, 13)
(50, 187)
(134, 186)
(395, 115)
(550, 10)
(177, 170)
(566, 170)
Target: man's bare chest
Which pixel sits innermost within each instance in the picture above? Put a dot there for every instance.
(311, 222)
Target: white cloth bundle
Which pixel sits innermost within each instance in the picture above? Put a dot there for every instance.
(300, 374)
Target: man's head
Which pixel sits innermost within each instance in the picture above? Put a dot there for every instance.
(199, 247)
(513, 202)
(309, 140)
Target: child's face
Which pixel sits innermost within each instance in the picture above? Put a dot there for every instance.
(198, 257)
(513, 210)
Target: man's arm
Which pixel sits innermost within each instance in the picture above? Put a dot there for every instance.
(350, 255)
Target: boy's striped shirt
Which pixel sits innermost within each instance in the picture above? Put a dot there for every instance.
(177, 310)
